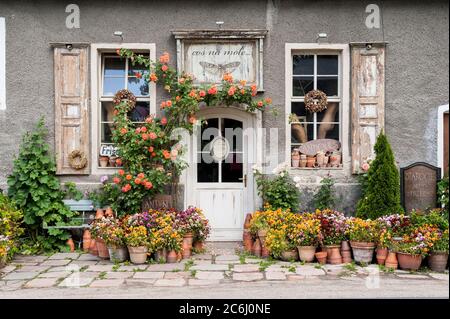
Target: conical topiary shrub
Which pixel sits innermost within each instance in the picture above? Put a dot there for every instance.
(382, 194)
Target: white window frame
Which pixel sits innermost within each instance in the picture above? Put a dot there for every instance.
(440, 149)
(97, 50)
(2, 64)
(343, 97)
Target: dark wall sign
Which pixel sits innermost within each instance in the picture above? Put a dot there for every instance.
(418, 183)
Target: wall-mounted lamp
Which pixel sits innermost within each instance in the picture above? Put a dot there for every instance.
(321, 36)
(118, 34)
(368, 46)
(69, 46)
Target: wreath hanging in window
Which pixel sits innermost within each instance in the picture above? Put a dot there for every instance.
(125, 95)
(77, 159)
(315, 101)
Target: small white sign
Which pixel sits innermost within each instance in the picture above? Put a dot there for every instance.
(108, 150)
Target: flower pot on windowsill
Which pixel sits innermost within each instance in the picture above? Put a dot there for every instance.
(103, 160)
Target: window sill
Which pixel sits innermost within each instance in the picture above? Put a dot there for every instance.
(317, 168)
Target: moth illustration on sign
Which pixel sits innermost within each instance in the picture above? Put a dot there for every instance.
(219, 69)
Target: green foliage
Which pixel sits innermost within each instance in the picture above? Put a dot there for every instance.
(10, 228)
(382, 194)
(325, 197)
(36, 191)
(443, 189)
(435, 217)
(279, 191)
(71, 191)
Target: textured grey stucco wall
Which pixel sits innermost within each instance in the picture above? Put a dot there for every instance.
(417, 57)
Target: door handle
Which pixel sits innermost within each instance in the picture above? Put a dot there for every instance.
(244, 179)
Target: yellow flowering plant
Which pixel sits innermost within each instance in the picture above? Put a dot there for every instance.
(306, 232)
(136, 236)
(277, 242)
(361, 230)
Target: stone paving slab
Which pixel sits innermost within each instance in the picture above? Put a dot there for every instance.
(119, 274)
(247, 276)
(246, 268)
(71, 282)
(203, 282)
(83, 263)
(20, 264)
(132, 267)
(212, 267)
(295, 277)
(63, 268)
(413, 276)
(166, 267)
(177, 274)
(149, 275)
(439, 276)
(20, 275)
(41, 283)
(227, 258)
(89, 257)
(56, 262)
(31, 258)
(139, 282)
(209, 275)
(54, 274)
(64, 256)
(170, 282)
(250, 260)
(12, 285)
(309, 271)
(202, 262)
(202, 256)
(7, 269)
(100, 268)
(32, 268)
(85, 274)
(275, 275)
(104, 283)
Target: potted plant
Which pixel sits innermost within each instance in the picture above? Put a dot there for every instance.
(98, 232)
(383, 240)
(115, 241)
(173, 245)
(279, 245)
(362, 235)
(259, 225)
(306, 235)
(137, 242)
(333, 228)
(437, 260)
(295, 158)
(103, 160)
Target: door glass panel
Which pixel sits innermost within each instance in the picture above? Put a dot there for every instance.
(232, 168)
(207, 169)
(232, 131)
(209, 131)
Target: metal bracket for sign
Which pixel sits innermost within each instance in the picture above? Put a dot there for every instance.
(402, 179)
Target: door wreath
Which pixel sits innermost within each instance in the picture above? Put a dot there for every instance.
(77, 159)
(316, 101)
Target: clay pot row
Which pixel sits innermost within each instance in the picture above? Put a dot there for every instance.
(321, 159)
(109, 161)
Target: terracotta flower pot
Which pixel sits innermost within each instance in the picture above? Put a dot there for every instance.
(247, 240)
(289, 255)
(161, 255)
(109, 212)
(71, 244)
(188, 238)
(187, 249)
(346, 252)
(99, 213)
(256, 249)
(199, 245)
(362, 251)
(438, 261)
(321, 257)
(102, 249)
(172, 256)
(333, 254)
(93, 247)
(265, 253)
(86, 240)
(391, 260)
(303, 162)
(262, 233)
(310, 161)
(408, 261)
(138, 255)
(306, 253)
(248, 219)
(118, 254)
(382, 254)
(103, 160)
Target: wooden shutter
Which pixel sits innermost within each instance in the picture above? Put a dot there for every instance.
(367, 101)
(71, 107)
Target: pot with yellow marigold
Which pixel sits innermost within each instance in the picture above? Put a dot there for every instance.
(363, 235)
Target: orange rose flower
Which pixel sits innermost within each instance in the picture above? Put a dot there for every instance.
(212, 90)
(242, 91)
(152, 135)
(166, 154)
(121, 172)
(144, 136)
(164, 68)
(115, 112)
(119, 161)
(149, 119)
(181, 80)
(150, 149)
(128, 177)
(260, 104)
(243, 82)
(116, 180)
(164, 121)
(228, 77)
(143, 129)
(231, 91)
(123, 130)
(141, 175)
(153, 154)
(202, 93)
(169, 103)
(148, 185)
(153, 77)
(137, 181)
(268, 100)
(178, 98)
(192, 93)
(163, 105)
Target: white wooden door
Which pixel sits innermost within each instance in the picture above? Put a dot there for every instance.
(220, 175)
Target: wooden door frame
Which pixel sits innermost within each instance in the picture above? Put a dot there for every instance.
(254, 120)
(440, 149)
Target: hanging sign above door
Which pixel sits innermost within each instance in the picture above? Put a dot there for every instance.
(208, 55)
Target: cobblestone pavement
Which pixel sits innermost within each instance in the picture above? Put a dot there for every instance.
(29, 276)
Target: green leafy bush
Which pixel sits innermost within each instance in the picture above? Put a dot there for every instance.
(10, 228)
(382, 193)
(325, 196)
(443, 194)
(36, 191)
(279, 191)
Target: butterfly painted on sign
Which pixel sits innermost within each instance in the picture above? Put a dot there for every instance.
(218, 70)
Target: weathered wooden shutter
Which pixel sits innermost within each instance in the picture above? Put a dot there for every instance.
(367, 101)
(71, 107)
